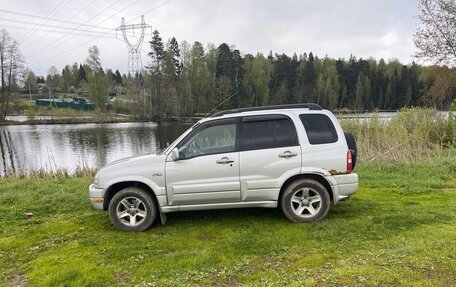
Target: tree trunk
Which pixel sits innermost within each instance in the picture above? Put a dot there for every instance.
(2, 65)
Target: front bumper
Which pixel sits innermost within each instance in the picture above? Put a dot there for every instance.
(344, 186)
(96, 196)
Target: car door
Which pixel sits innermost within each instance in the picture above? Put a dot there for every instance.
(207, 170)
(269, 154)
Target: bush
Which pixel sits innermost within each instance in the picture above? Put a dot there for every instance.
(119, 107)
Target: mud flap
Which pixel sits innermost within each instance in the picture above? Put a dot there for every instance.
(163, 217)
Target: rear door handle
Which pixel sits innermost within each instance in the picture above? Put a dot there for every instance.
(287, 154)
(224, 160)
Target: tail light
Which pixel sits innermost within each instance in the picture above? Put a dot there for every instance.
(349, 162)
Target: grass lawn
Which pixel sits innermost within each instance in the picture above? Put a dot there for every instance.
(398, 230)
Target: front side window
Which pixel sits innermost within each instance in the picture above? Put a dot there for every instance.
(210, 140)
(267, 133)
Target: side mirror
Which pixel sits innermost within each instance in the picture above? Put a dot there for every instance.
(175, 154)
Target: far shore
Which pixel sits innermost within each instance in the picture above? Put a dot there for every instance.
(53, 120)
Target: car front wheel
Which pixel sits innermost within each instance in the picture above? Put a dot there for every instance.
(305, 200)
(132, 209)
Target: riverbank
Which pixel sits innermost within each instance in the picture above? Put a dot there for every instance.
(398, 230)
(71, 120)
(91, 119)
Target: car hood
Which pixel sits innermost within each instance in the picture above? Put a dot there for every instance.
(131, 159)
(137, 166)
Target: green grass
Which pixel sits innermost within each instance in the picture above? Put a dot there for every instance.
(398, 230)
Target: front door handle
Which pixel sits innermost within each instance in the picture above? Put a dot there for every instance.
(287, 154)
(224, 160)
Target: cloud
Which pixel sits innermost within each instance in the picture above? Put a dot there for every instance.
(363, 28)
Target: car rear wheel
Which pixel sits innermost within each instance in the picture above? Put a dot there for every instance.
(305, 200)
(132, 209)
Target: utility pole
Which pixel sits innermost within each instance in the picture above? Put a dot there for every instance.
(50, 98)
(134, 49)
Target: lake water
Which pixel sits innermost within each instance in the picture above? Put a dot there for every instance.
(31, 147)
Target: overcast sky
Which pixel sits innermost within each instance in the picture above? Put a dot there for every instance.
(337, 28)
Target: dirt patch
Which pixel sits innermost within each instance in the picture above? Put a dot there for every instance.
(17, 279)
(122, 278)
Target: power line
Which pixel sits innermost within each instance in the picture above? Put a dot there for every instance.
(67, 51)
(60, 41)
(71, 49)
(103, 35)
(45, 20)
(54, 20)
(77, 13)
(52, 26)
(147, 12)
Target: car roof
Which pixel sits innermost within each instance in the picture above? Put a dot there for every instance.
(310, 106)
(266, 110)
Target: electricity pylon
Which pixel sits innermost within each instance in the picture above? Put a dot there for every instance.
(134, 49)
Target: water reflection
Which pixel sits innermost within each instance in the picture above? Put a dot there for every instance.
(26, 147)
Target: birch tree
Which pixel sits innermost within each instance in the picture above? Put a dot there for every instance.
(11, 64)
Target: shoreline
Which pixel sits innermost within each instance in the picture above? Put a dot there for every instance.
(95, 120)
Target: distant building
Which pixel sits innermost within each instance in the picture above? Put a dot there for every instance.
(72, 103)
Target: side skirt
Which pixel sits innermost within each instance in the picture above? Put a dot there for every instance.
(266, 204)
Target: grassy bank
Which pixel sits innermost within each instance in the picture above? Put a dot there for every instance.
(399, 230)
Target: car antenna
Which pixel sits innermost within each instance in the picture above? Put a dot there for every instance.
(205, 116)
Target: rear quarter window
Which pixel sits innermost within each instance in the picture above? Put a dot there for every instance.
(319, 128)
(262, 133)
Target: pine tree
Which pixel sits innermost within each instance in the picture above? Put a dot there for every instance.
(118, 77)
(157, 54)
(309, 78)
(82, 76)
(225, 77)
(174, 47)
(225, 62)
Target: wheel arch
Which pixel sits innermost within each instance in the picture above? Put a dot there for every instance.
(116, 187)
(317, 177)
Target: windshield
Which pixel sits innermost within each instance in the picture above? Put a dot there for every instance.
(165, 150)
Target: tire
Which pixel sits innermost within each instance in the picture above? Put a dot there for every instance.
(305, 200)
(132, 209)
(352, 146)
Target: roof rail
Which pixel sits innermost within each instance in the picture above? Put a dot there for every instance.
(310, 106)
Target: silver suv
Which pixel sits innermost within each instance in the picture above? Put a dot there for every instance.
(293, 156)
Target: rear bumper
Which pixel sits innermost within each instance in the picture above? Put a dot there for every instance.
(344, 186)
(96, 196)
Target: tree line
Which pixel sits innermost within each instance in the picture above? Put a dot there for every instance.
(189, 79)
(183, 79)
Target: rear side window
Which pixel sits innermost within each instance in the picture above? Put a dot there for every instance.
(264, 133)
(319, 128)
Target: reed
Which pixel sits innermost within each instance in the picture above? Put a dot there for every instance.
(52, 173)
(413, 134)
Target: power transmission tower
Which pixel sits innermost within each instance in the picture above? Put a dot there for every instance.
(134, 49)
